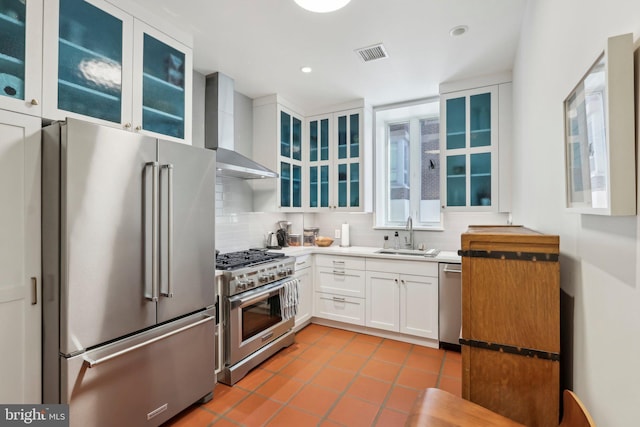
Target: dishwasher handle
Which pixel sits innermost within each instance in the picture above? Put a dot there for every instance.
(447, 269)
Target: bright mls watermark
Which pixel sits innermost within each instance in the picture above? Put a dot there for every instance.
(34, 415)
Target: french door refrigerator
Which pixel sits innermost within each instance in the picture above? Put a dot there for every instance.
(129, 274)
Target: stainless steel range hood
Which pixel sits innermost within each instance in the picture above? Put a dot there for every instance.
(219, 134)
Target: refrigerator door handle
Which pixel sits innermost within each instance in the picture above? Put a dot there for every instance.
(91, 363)
(169, 230)
(151, 237)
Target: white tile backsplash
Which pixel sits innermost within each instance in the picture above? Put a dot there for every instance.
(241, 231)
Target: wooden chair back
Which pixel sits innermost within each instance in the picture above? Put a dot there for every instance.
(574, 413)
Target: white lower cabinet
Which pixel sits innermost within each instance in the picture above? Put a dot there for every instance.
(20, 259)
(401, 302)
(378, 293)
(340, 289)
(305, 290)
(339, 308)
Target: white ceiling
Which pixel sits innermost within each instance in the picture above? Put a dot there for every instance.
(262, 44)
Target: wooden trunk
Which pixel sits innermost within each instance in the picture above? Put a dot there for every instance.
(511, 322)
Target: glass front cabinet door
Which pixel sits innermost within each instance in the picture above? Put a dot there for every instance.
(347, 191)
(290, 161)
(320, 158)
(162, 87)
(87, 61)
(20, 55)
(470, 142)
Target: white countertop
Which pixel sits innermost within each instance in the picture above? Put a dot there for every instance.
(365, 251)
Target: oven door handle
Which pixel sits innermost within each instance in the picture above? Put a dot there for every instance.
(251, 297)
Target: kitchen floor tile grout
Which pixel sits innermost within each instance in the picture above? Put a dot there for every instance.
(323, 332)
(310, 381)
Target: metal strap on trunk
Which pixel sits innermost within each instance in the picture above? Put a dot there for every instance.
(528, 352)
(504, 255)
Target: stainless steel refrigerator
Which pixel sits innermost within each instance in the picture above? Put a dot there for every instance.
(128, 274)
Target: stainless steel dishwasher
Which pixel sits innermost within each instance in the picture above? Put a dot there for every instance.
(450, 305)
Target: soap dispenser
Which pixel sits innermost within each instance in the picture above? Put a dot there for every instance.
(396, 241)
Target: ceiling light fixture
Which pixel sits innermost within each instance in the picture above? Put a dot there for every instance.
(322, 6)
(306, 69)
(458, 31)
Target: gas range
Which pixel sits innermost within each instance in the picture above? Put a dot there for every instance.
(258, 300)
(253, 268)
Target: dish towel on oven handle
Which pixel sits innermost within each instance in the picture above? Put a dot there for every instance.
(289, 299)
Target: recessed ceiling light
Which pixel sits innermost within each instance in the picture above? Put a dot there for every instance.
(322, 6)
(458, 31)
(306, 69)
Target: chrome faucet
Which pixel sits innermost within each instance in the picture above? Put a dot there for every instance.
(409, 227)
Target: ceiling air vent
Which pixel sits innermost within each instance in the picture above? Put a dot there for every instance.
(372, 53)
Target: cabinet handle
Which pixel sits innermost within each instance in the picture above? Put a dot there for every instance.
(127, 125)
(338, 262)
(35, 102)
(395, 280)
(402, 281)
(34, 290)
(138, 128)
(342, 273)
(339, 299)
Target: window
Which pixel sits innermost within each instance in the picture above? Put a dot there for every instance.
(408, 165)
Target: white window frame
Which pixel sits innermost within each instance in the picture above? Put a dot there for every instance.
(384, 116)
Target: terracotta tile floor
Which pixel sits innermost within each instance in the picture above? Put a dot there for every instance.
(330, 377)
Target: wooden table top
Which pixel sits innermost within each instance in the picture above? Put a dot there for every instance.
(438, 408)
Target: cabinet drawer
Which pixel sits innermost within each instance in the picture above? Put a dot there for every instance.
(339, 281)
(339, 308)
(341, 262)
(417, 267)
(302, 262)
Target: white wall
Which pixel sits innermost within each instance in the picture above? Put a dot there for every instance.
(560, 40)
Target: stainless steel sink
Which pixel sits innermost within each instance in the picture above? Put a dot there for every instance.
(413, 252)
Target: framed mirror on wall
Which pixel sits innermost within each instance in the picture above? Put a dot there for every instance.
(600, 136)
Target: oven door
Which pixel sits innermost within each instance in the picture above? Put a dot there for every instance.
(255, 319)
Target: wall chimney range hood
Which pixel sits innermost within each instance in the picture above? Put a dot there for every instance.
(219, 134)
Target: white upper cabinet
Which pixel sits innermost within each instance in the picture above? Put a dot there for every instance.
(21, 56)
(277, 144)
(475, 140)
(324, 161)
(289, 160)
(102, 64)
(338, 163)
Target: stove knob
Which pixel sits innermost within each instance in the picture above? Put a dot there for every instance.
(289, 271)
(251, 284)
(240, 286)
(272, 276)
(264, 278)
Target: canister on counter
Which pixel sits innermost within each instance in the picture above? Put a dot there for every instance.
(295, 240)
(309, 236)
